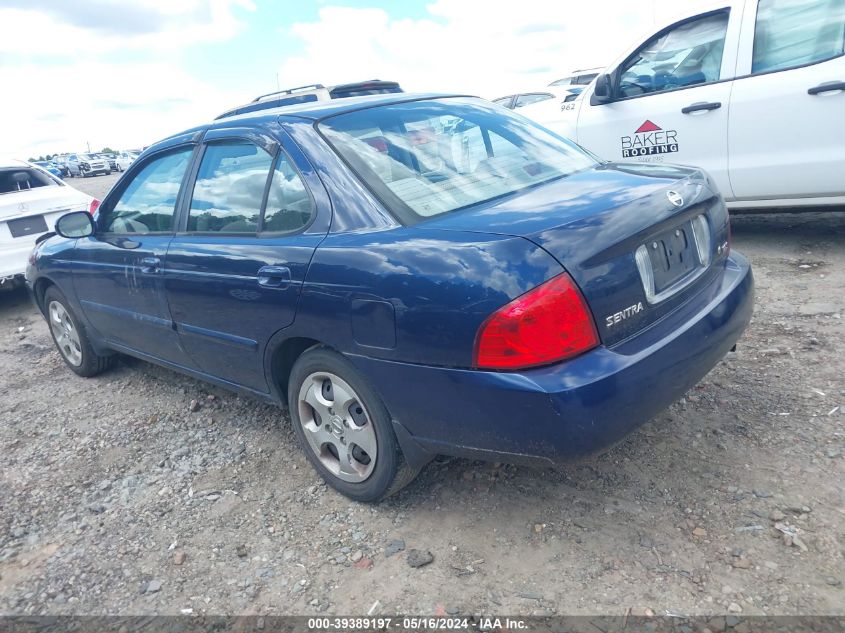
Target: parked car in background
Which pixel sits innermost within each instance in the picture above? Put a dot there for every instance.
(49, 166)
(751, 90)
(111, 159)
(314, 92)
(124, 159)
(84, 165)
(60, 160)
(522, 99)
(578, 77)
(352, 259)
(31, 200)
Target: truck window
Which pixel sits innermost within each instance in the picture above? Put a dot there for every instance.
(686, 55)
(791, 33)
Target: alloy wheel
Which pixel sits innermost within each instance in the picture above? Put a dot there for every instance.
(337, 426)
(65, 333)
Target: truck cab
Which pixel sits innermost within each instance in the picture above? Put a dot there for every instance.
(753, 91)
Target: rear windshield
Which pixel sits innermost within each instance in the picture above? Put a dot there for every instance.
(23, 179)
(425, 158)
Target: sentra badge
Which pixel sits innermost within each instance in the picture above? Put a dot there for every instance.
(620, 316)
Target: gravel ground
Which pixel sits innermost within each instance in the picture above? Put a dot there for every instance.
(117, 498)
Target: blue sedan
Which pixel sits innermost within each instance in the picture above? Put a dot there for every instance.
(410, 276)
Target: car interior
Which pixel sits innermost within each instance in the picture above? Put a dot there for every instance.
(12, 180)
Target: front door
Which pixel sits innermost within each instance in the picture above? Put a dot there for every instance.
(670, 100)
(118, 276)
(787, 126)
(234, 271)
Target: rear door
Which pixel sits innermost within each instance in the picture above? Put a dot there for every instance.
(255, 213)
(670, 98)
(787, 123)
(118, 273)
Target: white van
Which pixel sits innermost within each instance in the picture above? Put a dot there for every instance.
(751, 90)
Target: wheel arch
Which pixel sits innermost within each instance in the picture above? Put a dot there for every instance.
(39, 289)
(280, 359)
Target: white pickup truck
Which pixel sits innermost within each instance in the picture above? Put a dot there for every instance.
(751, 90)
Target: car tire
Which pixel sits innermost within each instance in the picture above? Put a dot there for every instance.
(70, 337)
(364, 418)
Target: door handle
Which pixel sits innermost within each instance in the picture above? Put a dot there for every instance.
(150, 264)
(699, 107)
(274, 277)
(828, 86)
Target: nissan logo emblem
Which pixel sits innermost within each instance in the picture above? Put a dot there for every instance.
(675, 198)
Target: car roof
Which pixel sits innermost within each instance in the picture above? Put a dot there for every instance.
(12, 162)
(316, 110)
(312, 111)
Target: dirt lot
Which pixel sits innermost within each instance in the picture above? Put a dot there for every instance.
(117, 498)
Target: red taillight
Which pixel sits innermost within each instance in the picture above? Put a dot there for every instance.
(95, 204)
(545, 325)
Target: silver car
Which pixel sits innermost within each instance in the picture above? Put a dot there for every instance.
(84, 165)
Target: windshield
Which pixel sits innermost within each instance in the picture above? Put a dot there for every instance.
(425, 158)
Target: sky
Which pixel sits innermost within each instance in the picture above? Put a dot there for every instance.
(125, 73)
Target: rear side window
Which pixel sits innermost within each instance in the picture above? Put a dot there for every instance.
(229, 189)
(688, 54)
(289, 206)
(148, 203)
(791, 33)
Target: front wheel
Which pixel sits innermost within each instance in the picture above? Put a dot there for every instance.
(70, 337)
(344, 428)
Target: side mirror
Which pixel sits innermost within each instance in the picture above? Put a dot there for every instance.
(75, 225)
(602, 91)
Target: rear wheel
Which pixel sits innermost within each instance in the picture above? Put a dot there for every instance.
(344, 428)
(70, 337)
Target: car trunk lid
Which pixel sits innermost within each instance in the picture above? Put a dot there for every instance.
(639, 240)
(41, 200)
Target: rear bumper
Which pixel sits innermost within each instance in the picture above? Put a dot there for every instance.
(573, 408)
(13, 258)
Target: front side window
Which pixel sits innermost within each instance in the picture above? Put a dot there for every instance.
(791, 33)
(229, 188)
(687, 55)
(425, 158)
(148, 203)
